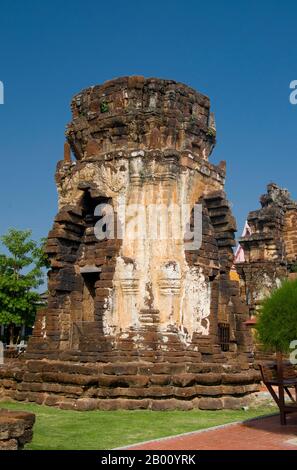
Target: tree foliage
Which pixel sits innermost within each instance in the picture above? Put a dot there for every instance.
(277, 322)
(21, 273)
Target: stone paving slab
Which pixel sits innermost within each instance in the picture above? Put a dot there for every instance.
(256, 434)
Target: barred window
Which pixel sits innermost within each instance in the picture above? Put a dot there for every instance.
(224, 336)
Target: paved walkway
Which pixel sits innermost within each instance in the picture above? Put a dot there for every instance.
(255, 434)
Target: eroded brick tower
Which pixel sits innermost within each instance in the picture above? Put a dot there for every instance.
(270, 249)
(144, 322)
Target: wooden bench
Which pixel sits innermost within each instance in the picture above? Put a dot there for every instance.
(284, 377)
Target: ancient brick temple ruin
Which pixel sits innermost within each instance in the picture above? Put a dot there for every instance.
(270, 247)
(144, 322)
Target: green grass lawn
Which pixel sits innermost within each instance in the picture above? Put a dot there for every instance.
(68, 430)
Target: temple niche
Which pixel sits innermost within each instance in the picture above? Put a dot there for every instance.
(139, 315)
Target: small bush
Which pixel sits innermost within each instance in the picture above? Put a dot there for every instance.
(104, 108)
(211, 132)
(293, 268)
(277, 322)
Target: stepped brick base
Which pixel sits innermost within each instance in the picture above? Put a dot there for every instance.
(129, 385)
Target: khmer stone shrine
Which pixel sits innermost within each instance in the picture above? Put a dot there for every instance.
(270, 246)
(152, 320)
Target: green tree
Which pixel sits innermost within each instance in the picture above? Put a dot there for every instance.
(21, 273)
(277, 322)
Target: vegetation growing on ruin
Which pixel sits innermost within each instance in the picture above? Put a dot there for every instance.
(293, 268)
(211, 132)
(104, 108)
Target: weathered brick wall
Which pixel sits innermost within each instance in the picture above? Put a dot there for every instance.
(290, 234)
(16, 429)
(138, 113)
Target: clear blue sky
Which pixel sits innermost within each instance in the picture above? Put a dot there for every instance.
(242, 54)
